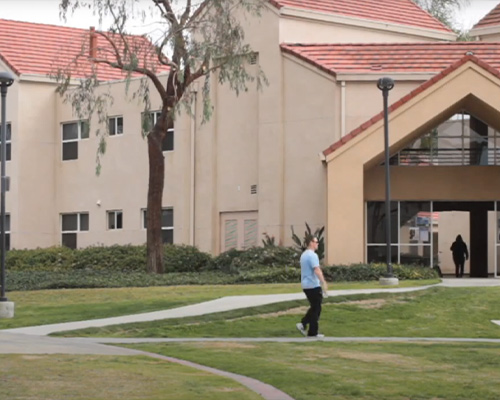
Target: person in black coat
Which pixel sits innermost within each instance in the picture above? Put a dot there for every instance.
(460, 254)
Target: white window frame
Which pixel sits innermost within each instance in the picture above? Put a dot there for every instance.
(114, 120)
(78, 222)
(163, 228)
(155, 115)
(80, 125)
(115, 214)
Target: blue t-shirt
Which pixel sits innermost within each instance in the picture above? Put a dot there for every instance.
(308, 261)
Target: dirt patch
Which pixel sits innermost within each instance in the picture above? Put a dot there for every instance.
(226, 345)
(369, 303)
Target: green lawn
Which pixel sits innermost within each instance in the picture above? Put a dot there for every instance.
(84, 377)
(356, 371)
(435, 312)
(56, 306)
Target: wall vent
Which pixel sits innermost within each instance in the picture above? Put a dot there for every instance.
(253, 58)
(253, 189)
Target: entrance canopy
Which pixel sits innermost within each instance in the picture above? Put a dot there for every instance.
(354, 172)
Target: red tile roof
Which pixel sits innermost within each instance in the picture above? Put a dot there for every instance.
(403, 12)
(29, 48)
(431, 57)
(359, 130)
(492, 18)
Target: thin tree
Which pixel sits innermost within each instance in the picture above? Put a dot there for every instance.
(197, 42)
(443, 10)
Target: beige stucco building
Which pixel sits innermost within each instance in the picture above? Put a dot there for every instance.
(307, 148)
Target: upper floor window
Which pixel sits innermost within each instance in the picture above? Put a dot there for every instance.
(168, 141)
(115, 219)
(8, 135)
(72, 133)
(167, 224)
(115, 126)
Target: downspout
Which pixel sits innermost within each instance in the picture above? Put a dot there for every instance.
(342, 109)
(192, 169)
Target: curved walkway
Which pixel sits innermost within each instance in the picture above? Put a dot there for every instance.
(33, 340)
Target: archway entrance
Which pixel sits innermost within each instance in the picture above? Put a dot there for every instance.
(423, 231)
(474, 216)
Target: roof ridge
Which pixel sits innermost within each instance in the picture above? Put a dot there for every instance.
(398, 103)
(45, 24)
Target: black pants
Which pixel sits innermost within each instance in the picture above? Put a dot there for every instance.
(459, 267)
(315, 297)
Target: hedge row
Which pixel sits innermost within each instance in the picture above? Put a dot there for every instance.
(124, 266)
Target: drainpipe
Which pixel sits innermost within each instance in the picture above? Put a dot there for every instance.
(192, 180)
(342, 109)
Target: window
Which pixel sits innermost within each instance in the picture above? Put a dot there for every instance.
(168, 141)
(72, 133)
(71, 224)
(115, 126)
(167, 224)
(8, 135)
(115, 219)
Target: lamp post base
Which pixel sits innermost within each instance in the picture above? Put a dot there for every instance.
(384, 281)
(6, 309)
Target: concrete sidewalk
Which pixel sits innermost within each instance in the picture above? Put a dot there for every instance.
(33, 340)
(230, 303)
(209, 307)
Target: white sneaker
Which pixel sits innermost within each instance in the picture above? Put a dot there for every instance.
(301, 328)
(318, 336)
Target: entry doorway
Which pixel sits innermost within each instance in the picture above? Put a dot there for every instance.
(450, 224)
(469, 219)
(422, 233)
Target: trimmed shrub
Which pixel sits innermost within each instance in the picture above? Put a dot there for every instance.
(234, 261)
(52, 258)
(111, 258)
(183, 258)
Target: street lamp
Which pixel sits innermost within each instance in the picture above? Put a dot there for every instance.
(6, 79)
(385, 85)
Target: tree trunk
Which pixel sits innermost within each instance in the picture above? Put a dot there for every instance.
(155, 195)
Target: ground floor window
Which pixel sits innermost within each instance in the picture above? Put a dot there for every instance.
(422, 233)
(71, 224)
(167, 224)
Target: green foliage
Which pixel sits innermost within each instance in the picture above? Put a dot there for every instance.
(370, 272)
(125, 266)
(235, 261)
(184, 258)
(443, 10)
(308, 234)
(268, 241)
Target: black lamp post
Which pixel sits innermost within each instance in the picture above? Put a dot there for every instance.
(6, 79)
(385, 84)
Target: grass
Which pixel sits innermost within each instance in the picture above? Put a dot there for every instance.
(435, 312)
(61, 377)
(66, 305)
(356, 371)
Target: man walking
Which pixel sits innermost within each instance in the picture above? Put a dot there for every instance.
(312, 279)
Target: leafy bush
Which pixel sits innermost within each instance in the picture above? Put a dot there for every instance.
(301, 245)
(183, 258)
(115, 258)
(234, 261)
(52, 258)
(124, 266)
(370, 272)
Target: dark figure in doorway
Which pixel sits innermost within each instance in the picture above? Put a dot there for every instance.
(460, 254)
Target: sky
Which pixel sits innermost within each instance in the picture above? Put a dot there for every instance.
(47, 11)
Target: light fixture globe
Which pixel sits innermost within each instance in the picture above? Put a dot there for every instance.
(6, 79)
(385, 83)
